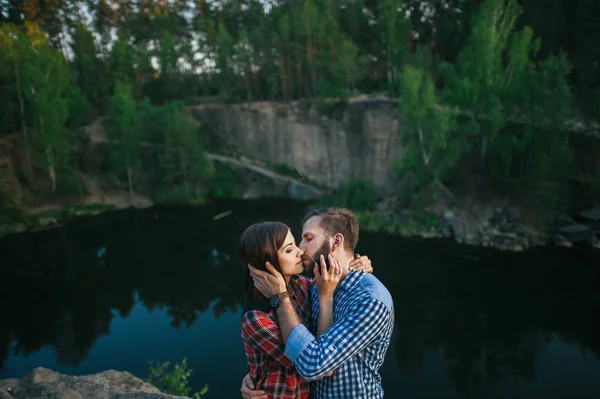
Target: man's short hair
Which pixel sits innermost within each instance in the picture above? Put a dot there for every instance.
(337, 220)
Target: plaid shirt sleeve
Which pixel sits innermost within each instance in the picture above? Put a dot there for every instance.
(264, 335)
(361, 324)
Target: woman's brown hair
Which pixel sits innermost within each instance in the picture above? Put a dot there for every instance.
(259, 244)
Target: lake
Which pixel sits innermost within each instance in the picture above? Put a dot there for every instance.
(118, 290)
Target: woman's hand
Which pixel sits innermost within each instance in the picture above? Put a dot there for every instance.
(268, 283)
(327, 280)
(361, 263)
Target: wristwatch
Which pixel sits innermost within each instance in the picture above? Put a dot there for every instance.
(276, 299)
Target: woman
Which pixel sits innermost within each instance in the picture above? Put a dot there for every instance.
(268, 366)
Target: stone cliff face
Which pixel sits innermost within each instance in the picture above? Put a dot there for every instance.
(360, 142)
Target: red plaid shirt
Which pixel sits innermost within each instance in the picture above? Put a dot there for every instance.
(270, 369)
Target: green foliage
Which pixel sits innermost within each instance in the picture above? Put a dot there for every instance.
(42, 83)
(123, 58)
(181, 160)
(223, 183)
(431, 152)
(67, 182)
(503, 96)
(91, 76)
(80, 109)
(393, 32)
(513, 108)
(175, 195)
(371, 221)
(173, 381)
(10, 211)
(358, 195)
(122, 124)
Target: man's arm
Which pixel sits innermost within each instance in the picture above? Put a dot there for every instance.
(325, 315)
(314, 359)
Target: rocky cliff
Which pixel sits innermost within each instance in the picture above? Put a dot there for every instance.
(326, 143)
(48, 384)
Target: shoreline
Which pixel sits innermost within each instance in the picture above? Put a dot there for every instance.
(426, 224)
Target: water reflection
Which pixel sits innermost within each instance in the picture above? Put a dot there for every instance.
(58, 292)
(488, 316)
(492, 314)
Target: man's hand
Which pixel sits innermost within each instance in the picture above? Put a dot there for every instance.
(361, 263)
(268, 283)
(327, 280)
(248, 389)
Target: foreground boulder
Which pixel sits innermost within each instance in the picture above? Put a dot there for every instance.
(48, 384)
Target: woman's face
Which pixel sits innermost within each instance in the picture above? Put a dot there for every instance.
(290, 256)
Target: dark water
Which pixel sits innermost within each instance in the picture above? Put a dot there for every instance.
(470, 322)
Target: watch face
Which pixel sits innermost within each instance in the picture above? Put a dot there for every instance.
(274, 301)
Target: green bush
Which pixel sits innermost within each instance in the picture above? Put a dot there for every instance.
(358, 195)
(285, 170)
(173, 381)
(177, 195)
(223, 184)
(67, 183)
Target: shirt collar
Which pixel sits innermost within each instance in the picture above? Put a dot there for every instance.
(350, 281)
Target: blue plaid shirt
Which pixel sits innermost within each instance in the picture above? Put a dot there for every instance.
(354, 347)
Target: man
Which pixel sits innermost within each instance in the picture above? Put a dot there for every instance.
(354, 347)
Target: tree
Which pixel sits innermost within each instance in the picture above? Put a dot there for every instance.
(182, 160)
(123, 130)
(432, 153)
(224, 51)
(47, 83)
(394, 30)
(88, 66)
(480, 79)
(13, 47)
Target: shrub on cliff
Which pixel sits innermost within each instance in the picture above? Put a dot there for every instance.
(173, 381)
(358, 195)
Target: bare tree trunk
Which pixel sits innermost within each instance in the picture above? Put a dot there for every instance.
(51, 171)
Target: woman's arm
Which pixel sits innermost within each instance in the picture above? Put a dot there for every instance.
(264, 335)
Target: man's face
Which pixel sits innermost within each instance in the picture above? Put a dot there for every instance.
(315, 243)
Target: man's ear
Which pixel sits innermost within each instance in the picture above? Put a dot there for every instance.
(338, 241)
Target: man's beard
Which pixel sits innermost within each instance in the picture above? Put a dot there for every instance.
(323, 250)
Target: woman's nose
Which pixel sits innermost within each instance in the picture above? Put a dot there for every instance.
(300, 252)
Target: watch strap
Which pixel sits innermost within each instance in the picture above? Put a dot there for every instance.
(282, 295)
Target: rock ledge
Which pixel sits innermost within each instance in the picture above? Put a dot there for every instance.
(48, 384)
